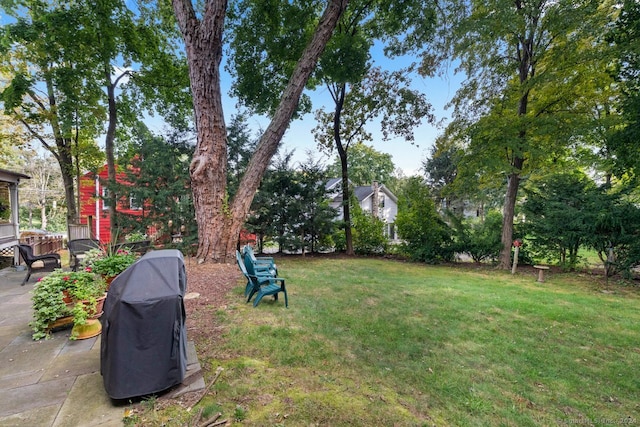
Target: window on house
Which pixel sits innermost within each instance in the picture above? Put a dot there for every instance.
(392, 232)
(382, 201)
(135, 203)
(105, 198)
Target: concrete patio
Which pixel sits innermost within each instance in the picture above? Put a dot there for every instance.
(55, 382)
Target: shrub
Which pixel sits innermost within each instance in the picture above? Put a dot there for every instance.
(481, 239)
(368, 234)
(426, 237)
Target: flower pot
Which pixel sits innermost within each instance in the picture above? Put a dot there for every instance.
(94, 314)
(90, 329)
(108, 280)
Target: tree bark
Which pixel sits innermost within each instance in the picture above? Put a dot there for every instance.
(62, 153)
(526, 70)
(220, 223)
(112, 197)
(507, 220)
(342, 154)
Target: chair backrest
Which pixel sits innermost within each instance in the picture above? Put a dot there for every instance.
(248, 264)
(240, 262)
(27, 252)
(248, 250)
(80, 246)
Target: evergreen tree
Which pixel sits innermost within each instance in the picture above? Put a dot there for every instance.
(158, 182)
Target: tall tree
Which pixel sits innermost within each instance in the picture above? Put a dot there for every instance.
(219, 220)
(379, 94)
(345, 68)
(134, 61)
(525, 63)
(361, 92)
(626, 37)
(69, 62)
(41, 54)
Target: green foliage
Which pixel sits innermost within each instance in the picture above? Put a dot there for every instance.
(520, 111)
(158, 179)
(266, 41)
(626, 38)
(426, 237)
(558, 211)
(567, 211)
(135, 236)
(83, 287)
(480, 238)
(365, 165)
(292, 207)
(368, 233)
(614, 232)
(240, 146)
(112, 264)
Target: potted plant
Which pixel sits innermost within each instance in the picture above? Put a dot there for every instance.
(63, 294)
(111, 264)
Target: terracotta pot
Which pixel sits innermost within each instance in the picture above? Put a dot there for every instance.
(109, 279)
(99, 306)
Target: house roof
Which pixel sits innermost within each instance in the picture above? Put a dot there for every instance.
(332, 183)
(361, 193)
(10, 176)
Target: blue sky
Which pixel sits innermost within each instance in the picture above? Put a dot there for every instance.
(439, 91)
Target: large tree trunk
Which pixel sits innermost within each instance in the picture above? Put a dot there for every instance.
(66, 168)
(507, 220)
(219, 224)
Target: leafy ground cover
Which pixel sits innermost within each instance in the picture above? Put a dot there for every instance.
(383, 342)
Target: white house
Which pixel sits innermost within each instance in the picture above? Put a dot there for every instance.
(375, 199)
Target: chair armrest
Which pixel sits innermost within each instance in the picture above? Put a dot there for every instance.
(264, 279)
(46, 256)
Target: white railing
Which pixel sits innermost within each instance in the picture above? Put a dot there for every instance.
(7, 229)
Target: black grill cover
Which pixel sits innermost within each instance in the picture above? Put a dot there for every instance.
(144, 338)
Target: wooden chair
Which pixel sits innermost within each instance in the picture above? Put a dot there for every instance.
(77, 248)
(49, 261)
(263, 285)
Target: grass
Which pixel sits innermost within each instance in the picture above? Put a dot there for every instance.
(379, 342)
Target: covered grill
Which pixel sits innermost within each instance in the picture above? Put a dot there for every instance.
(144, 338)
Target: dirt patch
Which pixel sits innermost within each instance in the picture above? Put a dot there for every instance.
(212, 282)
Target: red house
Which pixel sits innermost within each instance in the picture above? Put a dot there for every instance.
(94, 209)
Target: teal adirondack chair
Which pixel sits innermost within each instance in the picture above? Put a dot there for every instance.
(243, 269)
(261, 264)
(262, 285)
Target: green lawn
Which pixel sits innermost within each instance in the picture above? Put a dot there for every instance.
(373, 342)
